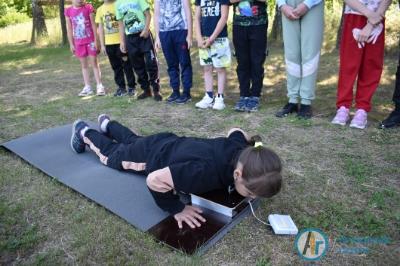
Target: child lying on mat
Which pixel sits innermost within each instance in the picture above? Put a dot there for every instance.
(184, 164)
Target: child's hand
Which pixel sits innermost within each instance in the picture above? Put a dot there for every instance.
(208, 42)
(72, 48)
(145, 33)
(103, 50)
(375, 33)
(364, 34)
(190, 215)
(122, 47)
(300, 10)
(288, 12)
(200, 42)
(157, 44)
(189, 42)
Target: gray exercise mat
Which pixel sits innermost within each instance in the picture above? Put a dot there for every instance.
(124, 194)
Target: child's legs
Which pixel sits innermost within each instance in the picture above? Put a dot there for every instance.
(128, 69)
(96, 69)
(221, 71)
(167, 43)
(208, 78)
(312, 28)
(137, 60)
(242, 50)
(181, 49)
(116, 64)
(85, 70)
(292, 46)
(350, 59)
(151, 62)
(121, 133)
(370, 72)
(396, 94)
(258, 46)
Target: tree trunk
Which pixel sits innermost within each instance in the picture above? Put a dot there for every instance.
(276, 33)
(339, 33)
(38, 24)
(63, 23)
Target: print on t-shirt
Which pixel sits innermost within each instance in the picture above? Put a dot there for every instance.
(210, 8)
(79, 27)
(110, 23)
(172, 15)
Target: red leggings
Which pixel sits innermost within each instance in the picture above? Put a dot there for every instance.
(365, 64)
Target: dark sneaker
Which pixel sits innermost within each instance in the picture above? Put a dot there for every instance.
(173, 97)
(305, 111)
(100, 120)
(287, 109)
(131, 92)
(157, 96)
(185, 98)
(252, 104)
(77, 144)
(145, 94)
(240, 105)
(120, 92)
(393, 120)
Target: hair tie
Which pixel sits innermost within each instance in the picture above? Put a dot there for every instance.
(258, 144)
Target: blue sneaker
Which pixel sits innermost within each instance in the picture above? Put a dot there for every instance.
(100, 120)
(252, 104)
(77, 144)
(183, 99)
(173, 97)
(241, 104)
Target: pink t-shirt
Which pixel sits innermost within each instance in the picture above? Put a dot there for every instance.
(81, 26)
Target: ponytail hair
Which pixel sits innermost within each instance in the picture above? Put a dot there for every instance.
(262, 168)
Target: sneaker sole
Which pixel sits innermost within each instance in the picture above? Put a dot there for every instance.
(358, 127)
(184, 102)
(201, 107)
(338, 123)
(98, 121)
(73, 134)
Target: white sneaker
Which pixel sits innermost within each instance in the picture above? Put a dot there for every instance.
(219, 103)
(86, 91)
(205, 103)
(100, 90)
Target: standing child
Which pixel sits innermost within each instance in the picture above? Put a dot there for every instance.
(361, 57)
(81, 29)
(303, 27)
(110, 41)
(134, 21)
(173, 27)
(214, 50)
(250, 22)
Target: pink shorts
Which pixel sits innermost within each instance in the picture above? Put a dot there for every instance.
(84, 50)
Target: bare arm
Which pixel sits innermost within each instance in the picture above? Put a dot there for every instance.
(94, 28)
(146, 31)
(373, 17)
(69, 34)
(121, 28)
(101, 37)
(197, 27)
(383, 7)
(188, 14)
(156, 16)
(220, 26)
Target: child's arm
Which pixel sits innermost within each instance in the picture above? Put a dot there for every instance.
(146, 31)
(287, 11)
(101, 37)
(197, 27)
(383, 7)
(373, 17)
(188, 14)
(94, 28)
(69, 34)
(121, 28)
(220, 26)
(304, 7)
(157, 43)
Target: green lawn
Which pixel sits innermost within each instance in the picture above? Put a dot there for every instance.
(343, 181)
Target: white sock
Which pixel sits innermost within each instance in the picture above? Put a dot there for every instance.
(83, 131)
(104, 125)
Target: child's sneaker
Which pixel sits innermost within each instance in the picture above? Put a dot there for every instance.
(77, 144)
(219, 103)
(120, 92)
(100, 120)
(185, 98)
(342, 116)
(240, 105)
(359, 120)
(86, 91)
(131, 92)
(206, 102)
(393, 120)
(100, 90)
(145, 94)
(252, 104)
(173, 97)
(157, 96)
(287, 109)
(305, 111)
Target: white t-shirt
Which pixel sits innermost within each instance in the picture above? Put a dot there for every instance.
(370, 4)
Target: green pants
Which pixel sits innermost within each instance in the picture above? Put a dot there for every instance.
(302, 40)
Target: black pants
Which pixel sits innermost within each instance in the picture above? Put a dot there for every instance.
(396, 94)
(250, 44)
(144, 60)
(120, 66)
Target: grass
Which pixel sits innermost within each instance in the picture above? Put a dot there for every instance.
(344, 181)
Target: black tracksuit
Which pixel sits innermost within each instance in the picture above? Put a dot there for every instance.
(396, 94)
(120, 66)
(197, 165)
